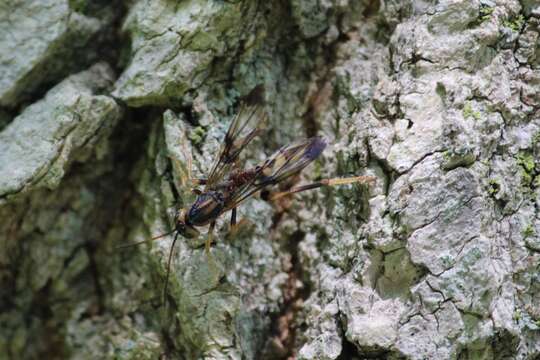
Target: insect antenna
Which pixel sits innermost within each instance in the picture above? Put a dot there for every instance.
(176, 233)
(169, 267)
(144, 241)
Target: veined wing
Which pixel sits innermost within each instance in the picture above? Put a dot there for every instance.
(284, 163)
(235, 141)
(290, 160)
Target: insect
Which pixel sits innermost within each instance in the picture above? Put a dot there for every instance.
(228, 185)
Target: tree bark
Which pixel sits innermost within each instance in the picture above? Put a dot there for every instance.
(102, 103)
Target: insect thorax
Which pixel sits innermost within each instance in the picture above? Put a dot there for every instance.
(206, 208)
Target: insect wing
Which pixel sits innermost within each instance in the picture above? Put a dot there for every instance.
(292, 159)
(234, 142)
(284, 163)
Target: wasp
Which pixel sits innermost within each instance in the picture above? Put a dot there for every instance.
(228, 185)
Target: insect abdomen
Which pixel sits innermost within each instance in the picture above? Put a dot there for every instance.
(244, 177)
(238, 179)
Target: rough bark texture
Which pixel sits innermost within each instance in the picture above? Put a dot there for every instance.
(439, 100)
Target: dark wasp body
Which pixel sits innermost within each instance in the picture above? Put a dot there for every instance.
(228, 185)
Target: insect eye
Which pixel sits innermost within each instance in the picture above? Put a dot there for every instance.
(180, 226)
(265, 194)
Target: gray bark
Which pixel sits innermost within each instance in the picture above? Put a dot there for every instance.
(438, 100)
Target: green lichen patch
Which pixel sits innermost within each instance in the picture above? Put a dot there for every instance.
(526, 161)
(197, 135)
(530, 235)
(78, 5)
(469, 112)
(527, 164)
(455, 158)
(515, 24)
(536, 138)
(528, 231)
(525, 320)
(493, 187)
(485, 13)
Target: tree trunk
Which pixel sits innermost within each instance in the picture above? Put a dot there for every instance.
(102, 104)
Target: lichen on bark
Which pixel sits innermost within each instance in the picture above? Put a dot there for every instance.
(103, 103)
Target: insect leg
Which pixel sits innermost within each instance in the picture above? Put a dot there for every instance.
(234, 226)
(233, 217)
(324, 182)
(211, 263)
(199, 181)
(209, 238)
